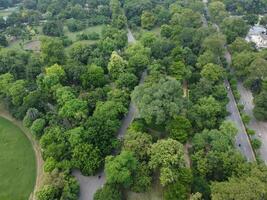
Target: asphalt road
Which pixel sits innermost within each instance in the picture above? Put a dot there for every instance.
(242, 141)
(259, 127)
(90, 184)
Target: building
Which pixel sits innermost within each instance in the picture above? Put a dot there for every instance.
(258, 35)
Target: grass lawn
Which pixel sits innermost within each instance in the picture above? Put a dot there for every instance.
(156, 193)
(8, 11)
(72, 35)
(17, 163)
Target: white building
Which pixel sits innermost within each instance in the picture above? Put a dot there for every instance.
(258, 35)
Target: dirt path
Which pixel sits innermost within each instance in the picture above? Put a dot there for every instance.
(39, 161)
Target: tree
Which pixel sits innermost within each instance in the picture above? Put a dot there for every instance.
(168, 157)
(240, 45)
(260, 109)
(86, 157)
(31, 115)
(187, 18)
(126, 81)
(179, 128)
(119, 169)
(207, 113)
(37, 127)
(52, 51)
(53, 28)
(241, 62)
(166, 31)
(217, 11)
(5, 82)
(48, 192)
(234, 27)
(257, 71)
(93, 77)
(179, 71)
(158, 102)
(239, 188)
(138, 57)
(213, 73)
(17, 91)
(116, 65)
(215, 43)
(147, 20)
(176, 191)
(74, 109)
(137, 142)
(3, 41)
(108, 192)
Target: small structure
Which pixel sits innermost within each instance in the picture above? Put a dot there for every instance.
(258, 35)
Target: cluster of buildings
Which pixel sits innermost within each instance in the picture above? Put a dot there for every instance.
(258, 35)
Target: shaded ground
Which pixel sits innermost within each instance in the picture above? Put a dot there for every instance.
(34, 45)
(17, 163)
(39, 161)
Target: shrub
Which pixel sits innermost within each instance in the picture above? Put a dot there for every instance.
(256, 144)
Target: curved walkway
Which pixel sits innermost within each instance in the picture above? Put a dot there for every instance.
(39, 161)
(90, 184)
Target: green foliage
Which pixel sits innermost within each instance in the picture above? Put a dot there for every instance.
(260, 109)
(116, 65)
(167, 156)
(179, 129)
(31, 115)
(138, 143)
(175, 191)
(93, 77)
(108, 192)
(242, 187)
(148, 20)
(213, 73)
(37, 127)
(52, 51)
(74, 109)
(207, 113)
(53, 28)
(217, 11)
(119, 169)
(158, 102)
(234, 27)
(256, 143)
(86, 157)
(47, 192)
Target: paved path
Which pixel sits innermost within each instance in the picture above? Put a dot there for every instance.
(90, 184)
(259, 127)
(242, 141)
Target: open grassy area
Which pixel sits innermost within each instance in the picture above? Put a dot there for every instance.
(8, 11)
(155, 193)
(72, 35)
(17, 163)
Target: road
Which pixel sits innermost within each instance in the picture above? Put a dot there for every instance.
(90, 184)
(242, 140)
(259, 127)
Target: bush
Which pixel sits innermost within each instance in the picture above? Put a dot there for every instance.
(75, 25)
(47, 192)
(250, 132)
(245, 118)
(37, 127)
(256, 144)
(240, 107)
(108, 192)
(88, 36)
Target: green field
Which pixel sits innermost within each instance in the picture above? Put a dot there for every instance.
(17, 163)
(72, 35)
